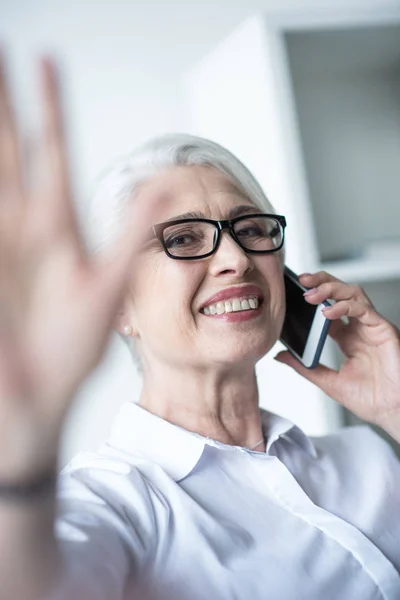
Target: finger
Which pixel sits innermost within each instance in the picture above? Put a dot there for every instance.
(365, 314)
(337, 329)
(335, 290)
(321, 376)
(310, 280)
(10, 164)
(53, 184)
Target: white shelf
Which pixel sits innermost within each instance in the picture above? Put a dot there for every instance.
(365, 269)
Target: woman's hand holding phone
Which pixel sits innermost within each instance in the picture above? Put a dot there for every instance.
(368, 382)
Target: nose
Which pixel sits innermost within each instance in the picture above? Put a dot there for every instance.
(230, 258)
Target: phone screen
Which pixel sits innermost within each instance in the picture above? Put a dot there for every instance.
(299, 317)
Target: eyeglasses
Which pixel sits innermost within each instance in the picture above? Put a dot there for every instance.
(188, 239)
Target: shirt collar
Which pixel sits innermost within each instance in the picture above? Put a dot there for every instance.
(177, 451)
(276, 427)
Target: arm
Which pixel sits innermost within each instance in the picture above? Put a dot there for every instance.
(30, 562)
(53, 333)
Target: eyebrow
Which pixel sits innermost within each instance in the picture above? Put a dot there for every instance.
(236, 211)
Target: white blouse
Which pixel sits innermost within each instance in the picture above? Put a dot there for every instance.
(160, 513)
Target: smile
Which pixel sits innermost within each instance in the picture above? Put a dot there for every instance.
(239, 304)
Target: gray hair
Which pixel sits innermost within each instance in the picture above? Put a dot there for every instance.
(117, 185)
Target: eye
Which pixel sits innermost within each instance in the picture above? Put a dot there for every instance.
(251, 230)
(260, 228)
(183, 239)
(180, 240)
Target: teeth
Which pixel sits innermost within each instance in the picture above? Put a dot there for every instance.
(220, 308)
(236, 305)
(228, 306)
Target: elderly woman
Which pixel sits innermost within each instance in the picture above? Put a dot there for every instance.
(198, 493)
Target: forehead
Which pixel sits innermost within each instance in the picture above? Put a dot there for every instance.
(180, 189)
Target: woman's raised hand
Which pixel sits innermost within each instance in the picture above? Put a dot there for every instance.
(368, 382)
(57, 307)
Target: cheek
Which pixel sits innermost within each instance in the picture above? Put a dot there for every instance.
(272, 271)
(278, 296)
(278, 305)
(163, 293)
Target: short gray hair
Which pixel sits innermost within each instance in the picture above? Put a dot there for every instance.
(117, 185)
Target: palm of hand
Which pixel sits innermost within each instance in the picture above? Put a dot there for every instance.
(56, 305)
(369, 379)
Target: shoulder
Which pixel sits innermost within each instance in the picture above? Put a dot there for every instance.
(114, 477)
(104, 525)
(358, 453)
(103, 496)
(355, 440)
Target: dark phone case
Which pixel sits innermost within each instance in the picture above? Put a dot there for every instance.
(324, 332)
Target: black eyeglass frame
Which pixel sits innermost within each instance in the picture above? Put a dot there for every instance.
(220, 226)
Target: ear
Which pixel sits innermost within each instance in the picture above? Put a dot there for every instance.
(121, 320)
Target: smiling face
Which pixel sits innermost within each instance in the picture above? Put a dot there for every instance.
(223, 310)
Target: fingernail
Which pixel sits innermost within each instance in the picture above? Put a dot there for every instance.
(310, 291)
(305, 275)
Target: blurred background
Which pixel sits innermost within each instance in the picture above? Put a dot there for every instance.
(307, 94)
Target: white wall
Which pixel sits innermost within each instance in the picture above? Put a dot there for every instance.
(347, 87)
(123, 62)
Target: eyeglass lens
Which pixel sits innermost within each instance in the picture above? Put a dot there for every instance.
(195, 238)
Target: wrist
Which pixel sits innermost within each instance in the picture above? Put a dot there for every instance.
(30, 488)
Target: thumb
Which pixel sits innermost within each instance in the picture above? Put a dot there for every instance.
(321, 376)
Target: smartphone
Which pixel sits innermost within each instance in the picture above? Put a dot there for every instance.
(305, 328)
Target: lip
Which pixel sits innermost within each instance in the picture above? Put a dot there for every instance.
(234, 292)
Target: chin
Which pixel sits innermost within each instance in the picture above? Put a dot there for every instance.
(244, 354)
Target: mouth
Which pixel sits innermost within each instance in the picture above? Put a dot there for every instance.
(233, 300)
(233, 305)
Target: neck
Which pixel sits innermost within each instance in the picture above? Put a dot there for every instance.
(215, 404)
